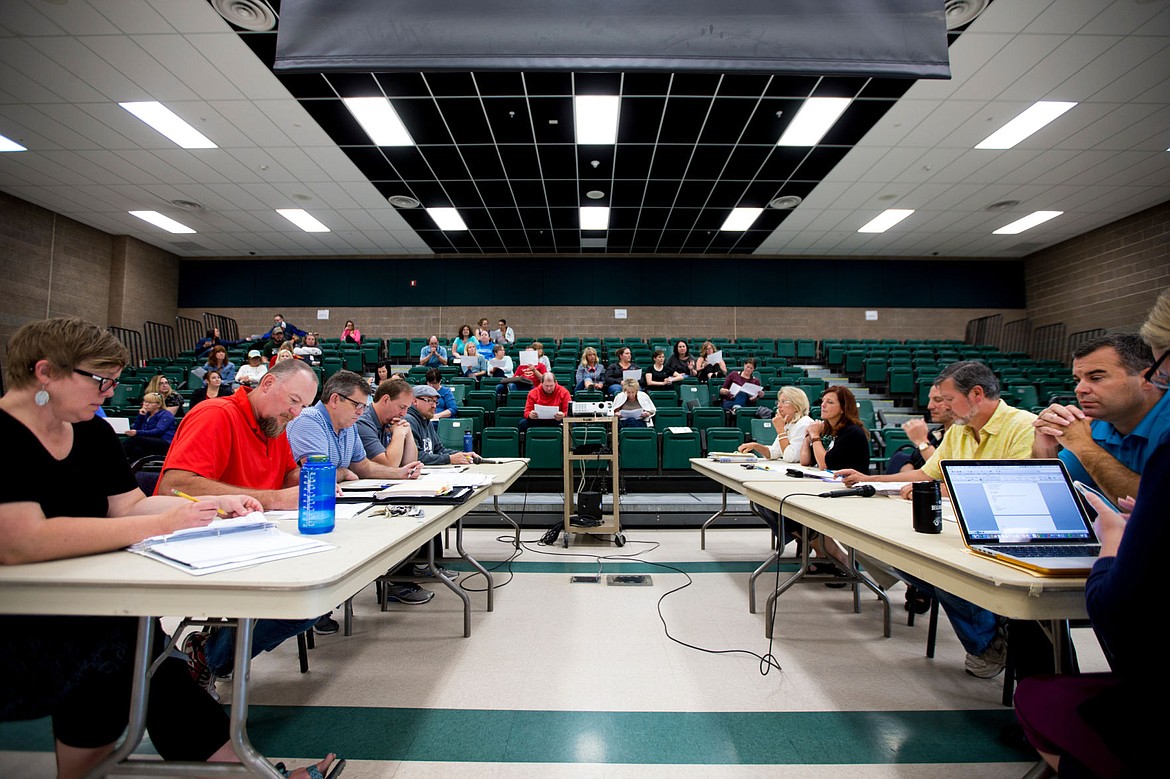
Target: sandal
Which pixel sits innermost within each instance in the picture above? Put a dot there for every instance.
(829, 569)
(314, 772)
(917, 602)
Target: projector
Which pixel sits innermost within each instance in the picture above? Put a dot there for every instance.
(602, 408)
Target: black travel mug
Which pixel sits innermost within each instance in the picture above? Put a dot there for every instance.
(927, 501)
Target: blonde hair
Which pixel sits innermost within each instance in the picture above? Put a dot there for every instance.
(588, 351)
(627, 383)
(795, 396)
(152, 397)
(1156, 330)
(704, 350)
(65, 342)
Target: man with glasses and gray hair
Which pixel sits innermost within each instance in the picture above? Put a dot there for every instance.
(1121, 417)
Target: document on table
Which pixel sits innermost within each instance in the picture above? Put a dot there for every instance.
(732, 457)
(751, 390)
(424, 487)
(343, 511)
(809, 470)
(546, 412)
(226, 544)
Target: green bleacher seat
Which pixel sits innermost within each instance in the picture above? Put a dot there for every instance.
(500, 442)
(678, 449)
(638, 449)
(451, 431)
(670, 417)
(543, 446)
(763, 431)
(723, 439)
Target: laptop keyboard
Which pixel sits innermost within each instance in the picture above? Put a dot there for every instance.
(1063, 550)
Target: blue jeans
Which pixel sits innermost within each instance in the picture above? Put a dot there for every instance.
(267, 634)
(740, 399)
(614, 389)
(633, 423)
(975, 626)
(581, 385)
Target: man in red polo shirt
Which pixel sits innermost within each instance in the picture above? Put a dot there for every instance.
(237, 444)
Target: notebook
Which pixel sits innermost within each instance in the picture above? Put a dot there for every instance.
(1024, 513)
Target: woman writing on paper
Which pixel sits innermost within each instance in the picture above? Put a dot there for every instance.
(68, 493)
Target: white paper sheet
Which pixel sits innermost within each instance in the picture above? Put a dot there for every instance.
(546, 412)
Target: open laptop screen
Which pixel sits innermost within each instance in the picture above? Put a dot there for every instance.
(1015, 501)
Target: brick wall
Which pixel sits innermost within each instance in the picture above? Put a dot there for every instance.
(1106, 278)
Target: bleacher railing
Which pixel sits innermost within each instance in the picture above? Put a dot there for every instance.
(132, 340)
(1048, 343)
(189, 331)
(1078, 338)
(1017, 336)
(160, 340)
(229, 330)
(985, 330)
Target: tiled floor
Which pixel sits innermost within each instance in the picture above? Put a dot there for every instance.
(576, 680)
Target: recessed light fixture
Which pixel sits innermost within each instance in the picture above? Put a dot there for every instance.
(1027, 223)
(1032, 119)
(379, 119)
(7, 144)
(813, 120)
(303, 219)
(169, 124)
(186, 205)
(740, 219)
(403, 201)
(595, 194)
(1002, 205)
(594, 217)
(447, 218)
(165, 222)
(786, 202)
(885, 220)
(596, 118)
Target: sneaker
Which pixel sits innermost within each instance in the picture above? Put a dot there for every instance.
(326, 625)
(990, 663)
(410, 594)
(194, 648)
(446, 573)
(735, 408)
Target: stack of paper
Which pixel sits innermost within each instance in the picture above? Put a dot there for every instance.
(424, 487)
(226, 544)
(732, 457)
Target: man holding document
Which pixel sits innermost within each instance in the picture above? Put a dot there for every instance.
(546, 405)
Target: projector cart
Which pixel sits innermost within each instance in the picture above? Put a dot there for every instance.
(610, 523)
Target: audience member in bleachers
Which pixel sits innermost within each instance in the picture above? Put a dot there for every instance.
(924, 439)
(171, 400)
(204, 345)
(250, 375)
(484, 343)
(681, 360)
(350, 334)
(213, 387)
(290, 331)
(526, 377)
(462, 338)
(285, 352)
(430, 448)
(590, 373)
(505, 334)
(272, 345)
(152, 431)
(432, 355)
(1100, 724)
(309, 350)
(614, 373)
(474, 365)
(704, 368)
(1122, 417)
(632, 399)
(382, 373)
(659, 375)
(733, 398)
(790, 422)
(548, 393)
(446, 406)
(79, 670)
(217, 360)
(541, 357)
(501, 366)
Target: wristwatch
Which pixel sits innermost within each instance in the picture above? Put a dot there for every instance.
(922, 447)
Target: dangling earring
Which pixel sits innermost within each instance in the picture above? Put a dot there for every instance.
(42, 397)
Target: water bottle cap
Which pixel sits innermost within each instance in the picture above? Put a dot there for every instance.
(318, 458)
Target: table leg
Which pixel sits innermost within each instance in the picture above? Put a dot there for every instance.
(722, 510)
(455, 588)
(770, 606)
(139, 695)
(774, 558)
(238, 727)
(512, 522)
(491, 585)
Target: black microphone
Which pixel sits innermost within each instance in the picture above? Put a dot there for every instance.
(861, 490)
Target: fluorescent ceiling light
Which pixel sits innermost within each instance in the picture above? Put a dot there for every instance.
(380, 121)
(1027, 223)
(166, 122)
(165, 222)
(740, 219)
(597, 118)
(885, 220)
(813, 120)
(447, 218)
(7, 144)
(1031, 120)
(302, 219)
(594, 217)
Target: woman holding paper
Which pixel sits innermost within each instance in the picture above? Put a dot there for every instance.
(634, 406)
(615, 373)
(69, 493)
(741, 387)
(790, 422)
(710, 363)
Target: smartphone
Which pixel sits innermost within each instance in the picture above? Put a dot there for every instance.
(1085, 489)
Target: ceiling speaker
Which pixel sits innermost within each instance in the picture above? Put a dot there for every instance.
(963, 12)
(255, 15)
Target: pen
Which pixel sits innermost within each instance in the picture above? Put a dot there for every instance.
(179, 494)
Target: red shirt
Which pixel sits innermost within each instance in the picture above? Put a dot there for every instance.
(532, 372)
(220, 439)
(538, 397)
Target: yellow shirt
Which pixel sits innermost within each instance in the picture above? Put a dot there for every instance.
(1006, 436)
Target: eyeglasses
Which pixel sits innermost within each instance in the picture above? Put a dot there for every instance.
(356, 405)
(104, 384)
(1156, 377)
(429, 400)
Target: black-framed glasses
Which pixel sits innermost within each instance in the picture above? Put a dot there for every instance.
(1156, 377)
(104, 383)
(356, 405)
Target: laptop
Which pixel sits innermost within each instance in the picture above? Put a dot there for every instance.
(1024, 513)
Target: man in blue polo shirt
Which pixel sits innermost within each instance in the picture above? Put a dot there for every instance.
(1121, 420)
(432, 355)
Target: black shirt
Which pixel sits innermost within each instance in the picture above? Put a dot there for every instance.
(848, 449)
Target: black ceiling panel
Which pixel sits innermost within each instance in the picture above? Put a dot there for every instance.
(552, 119)
(465, 120)
(423, 120)
(483, 162)
(354, 84)
(509, 119)
(520, 162)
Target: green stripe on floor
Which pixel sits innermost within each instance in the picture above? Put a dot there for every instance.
(612, 566)
(713, 738)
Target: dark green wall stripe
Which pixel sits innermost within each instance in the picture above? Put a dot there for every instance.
(745, 738)
(572, 281)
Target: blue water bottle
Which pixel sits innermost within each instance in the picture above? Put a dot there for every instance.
(318, 496)
(467, 445)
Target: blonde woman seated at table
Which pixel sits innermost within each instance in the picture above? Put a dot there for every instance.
(791, 423)
(659, 376)
(630, 397)
(705, 369)
(590, 373)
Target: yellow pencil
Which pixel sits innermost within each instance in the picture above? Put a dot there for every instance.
(180, 494)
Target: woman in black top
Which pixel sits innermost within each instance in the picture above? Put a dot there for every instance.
(681, 361)
(212, 388)
(613, 374)
(79, 670)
